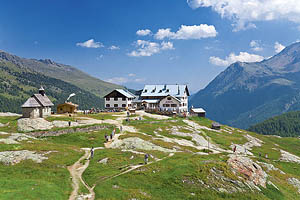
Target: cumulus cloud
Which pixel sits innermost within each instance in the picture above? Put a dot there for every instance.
(278, 47)
(232, 58)
(245, 12)
(113, 47)
(146, 48)
(255, 45)
(123, 80)
(90, 44)
(131, 75)
(187, 32)
(143, 32)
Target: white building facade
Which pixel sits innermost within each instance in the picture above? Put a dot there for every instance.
(173, 98)
(118, 99)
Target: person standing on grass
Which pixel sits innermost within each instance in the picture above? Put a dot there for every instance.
(111, 136)
(92, 152)
(121, 128)
(146, 158)
(69, 123)
(106, 137)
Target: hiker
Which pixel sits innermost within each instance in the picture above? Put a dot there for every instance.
(106, 137)
(245, 150)
(92, 152)
(121, 128)
(266, 156)
(146, 158)
(234, 149)
(69, 123)
(259, 154)
(111, 136)
(113, 133)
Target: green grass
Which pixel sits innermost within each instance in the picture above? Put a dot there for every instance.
(12, 126)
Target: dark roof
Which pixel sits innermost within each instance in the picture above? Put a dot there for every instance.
(31, 103)
(43, 100)
(36, 101)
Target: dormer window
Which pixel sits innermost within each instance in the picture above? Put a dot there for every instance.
(169, 98)
(167, 90)
(145, 91)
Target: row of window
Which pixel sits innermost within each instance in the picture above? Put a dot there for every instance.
(116, 105)
(170, 105)
(117, 98)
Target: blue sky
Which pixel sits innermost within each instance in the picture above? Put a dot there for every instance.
(137, 42)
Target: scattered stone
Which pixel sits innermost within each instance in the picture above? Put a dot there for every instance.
(250, 169)
(288, 157)
(115, 186)
(270, 183)
(103, 161)
(295, 182)
(270, 167)
(15, 138)
(84, 197)
(137, 143)
(62, 124)
(247, 147)
(15, 157)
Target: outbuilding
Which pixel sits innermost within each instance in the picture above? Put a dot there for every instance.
(216, 126)
(199, 112)
(67, 107)
(119, 99)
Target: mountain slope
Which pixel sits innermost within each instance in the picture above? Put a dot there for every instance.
(17, 84)
(286, 125)
(248, 93)
(63, 72)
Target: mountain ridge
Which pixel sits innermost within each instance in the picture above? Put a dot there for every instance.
(239, 94)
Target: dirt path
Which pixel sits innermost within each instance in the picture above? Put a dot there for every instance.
(76, 171)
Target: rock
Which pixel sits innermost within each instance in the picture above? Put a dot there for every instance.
(250, 169)
(295, 182)
(137, 143)
(288, 157)
(103, 161)
(270, 183)
(9, 114)
(62, 124)
(15, 138)
(270, 167)
(222, 190)
(27, 124)
(245, 148)
(15, 157)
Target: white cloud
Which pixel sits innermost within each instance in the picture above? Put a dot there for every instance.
(245, 12)
(232, 58)
(278, 47)
(143, 32)
(187, 32)
(255, 45)
(131, 75)
(123, 80)
(146, 48)
(99, 57)
(113, 47)
(90, 44)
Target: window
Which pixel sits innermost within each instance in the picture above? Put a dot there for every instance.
(169, 98)
(107, 98)
(116, 98)
(168, 90)
(107, 105)
(166, 105)
(145, 91)
(116, 105)
(124, 99)
(129, 105)
(173, 105)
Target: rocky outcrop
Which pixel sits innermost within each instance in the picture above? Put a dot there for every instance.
(252, 171)
(137, 143)
(9, 114)
(295, 182)
(15, 157)
(15, 138)
(27, 124)
(288, 157)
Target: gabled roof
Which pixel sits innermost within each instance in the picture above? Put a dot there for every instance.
(165, 90)
(173, 98)
(123, 92)
(31, 103)
(198, 110)
(68, 103)
(43, 100)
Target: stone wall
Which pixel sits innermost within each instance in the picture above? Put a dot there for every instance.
(67, 131)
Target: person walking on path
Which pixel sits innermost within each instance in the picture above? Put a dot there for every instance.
(106, 137)
(111, 136)
(146, 158)
(121, 129)
(92, 152)
(69, 123)
(234, 149)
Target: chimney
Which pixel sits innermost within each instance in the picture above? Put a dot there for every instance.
(42, 91)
